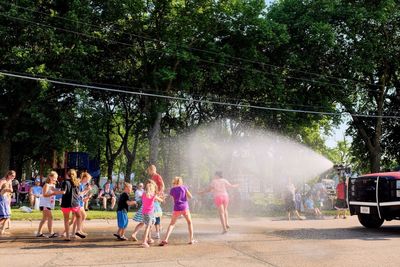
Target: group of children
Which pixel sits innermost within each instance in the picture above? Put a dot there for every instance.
(146, 216)
(74, 192)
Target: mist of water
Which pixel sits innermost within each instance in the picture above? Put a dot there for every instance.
(258, 160)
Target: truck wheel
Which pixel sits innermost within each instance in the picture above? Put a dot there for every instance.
(370, 221)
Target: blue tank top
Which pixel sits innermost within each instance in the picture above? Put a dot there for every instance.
(37, 190)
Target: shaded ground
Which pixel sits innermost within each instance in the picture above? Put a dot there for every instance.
(251, 242)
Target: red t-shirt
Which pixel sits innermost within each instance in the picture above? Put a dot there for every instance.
(340, 191)
(159, 182)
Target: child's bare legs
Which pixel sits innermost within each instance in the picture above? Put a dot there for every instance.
(50, 222)
(157, 227)
(188, 218)
(221, 212)
(146, 235)
(104, 203)
(137, 228)
(337, 214)
(288, 215)
(113, 201)
(122, 232)
(73, 223)
(83, 216)
(226, 216)
(170, 227)
(297, 215)
(66, 225)
(3, 226)
(45, 217)
(78, 221)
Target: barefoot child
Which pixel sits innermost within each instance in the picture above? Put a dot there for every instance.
(218, 187)
(122, 211)
(181, 194)
(148, 199)
(47, 203)
(5, 200)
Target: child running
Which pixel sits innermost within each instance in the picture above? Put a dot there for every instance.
(218, 187)
(148, 199)
(47, 203)
(181, 194)
(122, 211)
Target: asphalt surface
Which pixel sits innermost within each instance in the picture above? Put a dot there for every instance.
(250, 242)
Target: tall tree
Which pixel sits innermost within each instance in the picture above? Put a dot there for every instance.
(347, 52)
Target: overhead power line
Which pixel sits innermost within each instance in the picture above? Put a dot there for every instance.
(138, 93)
(199, 59)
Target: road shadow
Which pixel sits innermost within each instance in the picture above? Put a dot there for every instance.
(361, 233)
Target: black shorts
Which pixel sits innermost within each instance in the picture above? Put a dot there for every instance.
(341, 204)
(44, 208)
(290, 205)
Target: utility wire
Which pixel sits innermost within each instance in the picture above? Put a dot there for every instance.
(78, 85)
(198, 49)
(199, 59)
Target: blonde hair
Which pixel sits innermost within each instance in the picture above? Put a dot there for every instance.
(127, 185)
(177, 180)
(150, 188)
(74, 177)
(86, 175)
(52, 174)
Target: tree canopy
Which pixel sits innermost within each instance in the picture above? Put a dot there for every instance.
(165, 64)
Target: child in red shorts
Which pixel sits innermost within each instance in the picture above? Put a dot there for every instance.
(181, 194)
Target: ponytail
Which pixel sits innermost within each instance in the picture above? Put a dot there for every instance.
(74, 177)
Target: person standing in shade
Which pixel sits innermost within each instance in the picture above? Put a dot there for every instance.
(122, 211)
(218, 187)
(70, 202)
(5, 199)
(47, 204)
(152, 171)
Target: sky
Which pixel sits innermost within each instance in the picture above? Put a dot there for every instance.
(338, 134)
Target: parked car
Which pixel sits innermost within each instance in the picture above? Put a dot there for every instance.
(375, 198)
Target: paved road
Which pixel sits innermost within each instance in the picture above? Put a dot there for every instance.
(251, 242)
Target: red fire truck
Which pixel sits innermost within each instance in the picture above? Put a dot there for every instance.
(375, 198)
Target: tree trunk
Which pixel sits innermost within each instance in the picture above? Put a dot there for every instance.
(375, 161)
(28, 169)
(154, 139)
(110, 167)
(131, 156)
(5, 151)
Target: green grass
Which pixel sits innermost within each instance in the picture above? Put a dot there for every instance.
(100, 214)
(57, 215)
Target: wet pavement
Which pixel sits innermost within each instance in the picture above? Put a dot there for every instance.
(250, 242)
